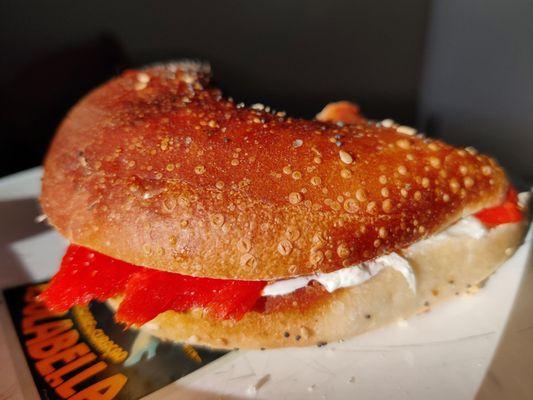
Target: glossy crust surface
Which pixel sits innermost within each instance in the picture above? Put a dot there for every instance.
(156, 168)
(443, 269)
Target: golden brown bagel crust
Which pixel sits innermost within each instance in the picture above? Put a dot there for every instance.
(443, 269)
(157, 169)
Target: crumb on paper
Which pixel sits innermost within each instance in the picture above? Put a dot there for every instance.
(310, 388)
(351, 379)
(252, 389)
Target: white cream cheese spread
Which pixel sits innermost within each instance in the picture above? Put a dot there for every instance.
(467, 226)
(357, 274)
(346, 277)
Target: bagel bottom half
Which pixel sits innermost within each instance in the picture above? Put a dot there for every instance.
(443, 268)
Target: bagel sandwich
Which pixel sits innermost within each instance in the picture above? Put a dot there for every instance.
(205, 221)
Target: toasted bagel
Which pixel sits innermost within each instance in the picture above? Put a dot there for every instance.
(443, 268)
(158, 169)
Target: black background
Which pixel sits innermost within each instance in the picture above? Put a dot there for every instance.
(435, 65)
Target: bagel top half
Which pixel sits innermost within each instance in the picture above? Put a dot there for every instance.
(156, 168)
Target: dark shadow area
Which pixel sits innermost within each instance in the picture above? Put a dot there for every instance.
(38, 96)
(477, 85)
(18, 220)
(293, 56)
